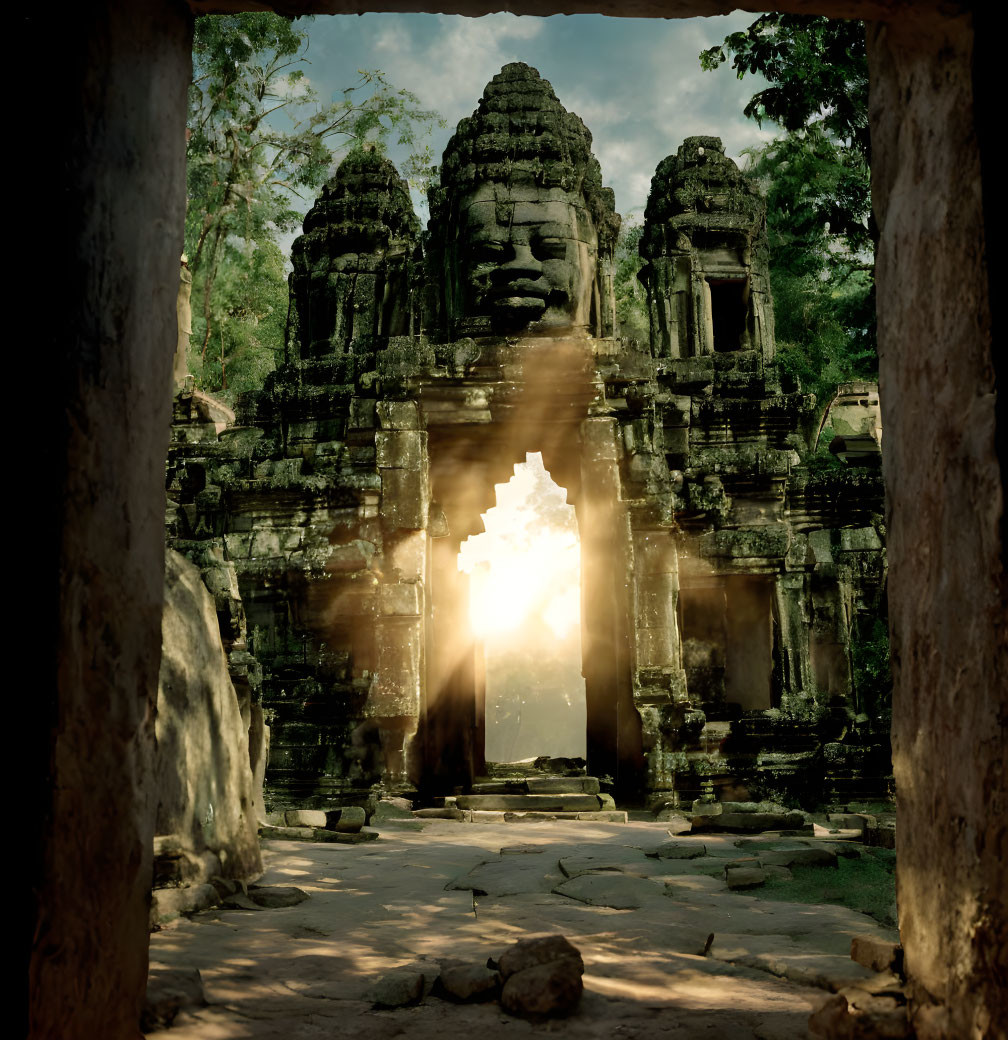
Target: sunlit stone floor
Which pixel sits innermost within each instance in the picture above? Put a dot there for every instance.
(305, 971)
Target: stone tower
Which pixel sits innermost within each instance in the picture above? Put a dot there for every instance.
(706, 250)
(353, 266)
(522, 230)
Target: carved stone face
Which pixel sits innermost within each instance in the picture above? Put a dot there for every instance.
(526, 254)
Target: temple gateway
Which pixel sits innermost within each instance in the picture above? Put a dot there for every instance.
(723, 582)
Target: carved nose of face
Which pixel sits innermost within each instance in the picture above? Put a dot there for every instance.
(522, 265)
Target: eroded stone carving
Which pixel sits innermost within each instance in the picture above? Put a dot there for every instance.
(521, 220)
(705, 245)
(352, 265)
(725, 581)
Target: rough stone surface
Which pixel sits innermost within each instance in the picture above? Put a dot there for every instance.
(615, 890)
(945, 516)
(543, 990)
(398, 989)
(469, 982)
(347, 820)
(542, 976)
(305, 818)
(935, 293)
(680, 850)
(274, 897)
(745, 877)
(202, 769)
(168, 993)
(876, 954)
(517, 174)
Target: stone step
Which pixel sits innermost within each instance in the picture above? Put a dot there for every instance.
(317, 834)
(530, 802)
(538, 785)
(593, 816)
(563, 785)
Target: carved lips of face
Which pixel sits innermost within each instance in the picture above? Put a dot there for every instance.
(527, 254)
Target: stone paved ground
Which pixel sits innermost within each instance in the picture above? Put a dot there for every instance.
(447, 892)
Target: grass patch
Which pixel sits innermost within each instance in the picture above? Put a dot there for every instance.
(866, 883)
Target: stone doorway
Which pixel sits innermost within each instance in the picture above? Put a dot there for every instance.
(525, 611)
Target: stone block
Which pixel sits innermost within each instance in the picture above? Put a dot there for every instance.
(676, 440)
(404, 599)
(398, 415)
(400, 449)
(860, 539)
(169, 992)
(744, 877)
(468, 982)
(347, 559)
(657, 646)
(852, 821)
(169, 903)
(304, 818)
(530, 802)
(701, 808)
(398, 989)
(362, 413)
(681, 850)
(348, 820)
(876, 954)
(750, 822)
(546, 989)
(807, 857)
(769, 541)
(405, 498)
(557, 785)
(395, 689)
(406, 555)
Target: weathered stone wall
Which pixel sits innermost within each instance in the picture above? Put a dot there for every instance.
(203, 779)
(946, 506)
(121, 154)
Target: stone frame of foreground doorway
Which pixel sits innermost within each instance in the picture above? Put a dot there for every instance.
(115, 179)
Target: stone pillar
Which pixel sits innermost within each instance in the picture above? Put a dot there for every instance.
(659, 679)
(613, 731)
(934, 191)
(396, 691)
(111, 182)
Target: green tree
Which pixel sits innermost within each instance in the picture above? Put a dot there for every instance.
(817, 181)
(259, 143)
(631, 299)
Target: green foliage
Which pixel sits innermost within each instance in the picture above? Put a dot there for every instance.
(817, 182)
(817, 70)
(824, 329)
(259, 143)
(872, 674)
(866, 883)
(631, 299)
(250, 308)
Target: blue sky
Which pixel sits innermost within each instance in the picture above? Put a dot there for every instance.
(636, 83)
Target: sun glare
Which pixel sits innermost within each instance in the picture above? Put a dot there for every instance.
(526, 565)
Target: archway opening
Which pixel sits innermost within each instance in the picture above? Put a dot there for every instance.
(525, 610)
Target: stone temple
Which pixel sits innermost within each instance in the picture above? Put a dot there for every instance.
(726, 582)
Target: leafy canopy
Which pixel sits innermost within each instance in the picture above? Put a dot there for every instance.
(260, 142)
(817, 181)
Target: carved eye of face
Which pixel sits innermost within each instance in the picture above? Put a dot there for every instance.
(549, 248)
(491, 252)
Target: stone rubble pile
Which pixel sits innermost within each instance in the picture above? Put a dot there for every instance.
(536, 978)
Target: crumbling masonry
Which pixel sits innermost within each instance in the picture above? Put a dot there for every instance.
(729, 579)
